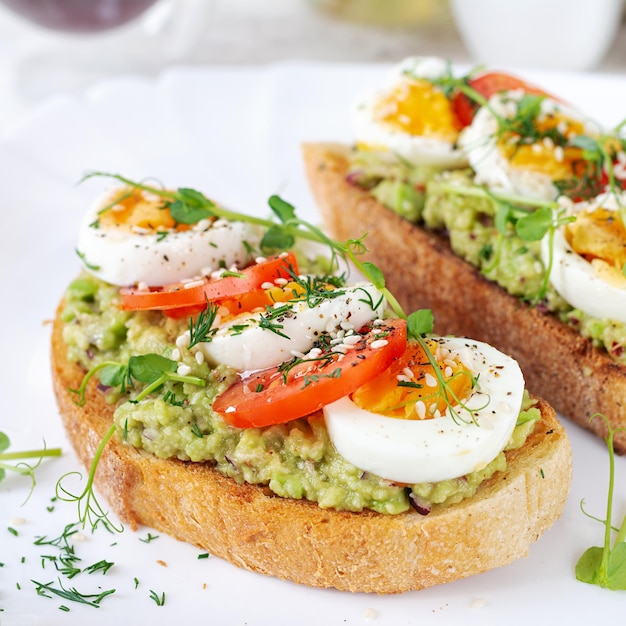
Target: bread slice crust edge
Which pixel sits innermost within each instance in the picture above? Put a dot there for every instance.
(578, 379)
(297, 540)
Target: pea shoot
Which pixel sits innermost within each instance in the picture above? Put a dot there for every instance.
(606, 566)
(23, 468)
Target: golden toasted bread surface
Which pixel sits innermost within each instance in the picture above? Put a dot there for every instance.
(299, 541)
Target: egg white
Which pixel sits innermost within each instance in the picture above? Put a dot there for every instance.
(416, 149)
(441, 448)
(124, 258)
(493, 169)
(257, 348)
(577, 280)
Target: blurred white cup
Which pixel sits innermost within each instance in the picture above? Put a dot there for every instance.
(551, 34)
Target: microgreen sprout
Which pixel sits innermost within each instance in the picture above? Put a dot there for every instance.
(606, 566)
(152, 369)
(530, 218)
(23, 468)
(89, 509)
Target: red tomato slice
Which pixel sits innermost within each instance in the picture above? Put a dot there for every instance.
(273, 396)
(195, 296)
(487, 85)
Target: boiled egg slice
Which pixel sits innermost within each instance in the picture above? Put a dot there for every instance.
(589, 256)
(410, 117)
(130, 237)
(533, 152)
(259, 340)
(432, 439)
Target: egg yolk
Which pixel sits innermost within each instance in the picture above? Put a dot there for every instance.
(418, 108)
(600, 237)
(133, 211)
(409, 388)
(543, 155)
(258, 299)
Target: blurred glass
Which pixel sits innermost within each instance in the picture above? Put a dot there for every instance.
(81, 16)
(387, 12)
(71, 44)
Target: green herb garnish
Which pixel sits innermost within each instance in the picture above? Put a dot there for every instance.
(22, 468)
(606, 566)
(153, 370)
(159, 599)
(202, 329)
(44, 589)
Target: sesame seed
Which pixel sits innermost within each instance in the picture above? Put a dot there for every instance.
(352, 340)
(378, 343)
(408, 372)
(559, 154)
(150, 197)
(138, 230)
(260, 259)
(183, 340)
(267, 285)
(176, 354)
(448, 372)
(199, 357)
(202, 225)
(430, 380)
(194, 283)
(281, 281)
(183, 370)
(420, 409)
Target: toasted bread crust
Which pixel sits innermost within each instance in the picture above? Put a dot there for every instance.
(577, 379)
(297, 540)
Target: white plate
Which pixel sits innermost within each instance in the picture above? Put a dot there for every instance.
(234, 133)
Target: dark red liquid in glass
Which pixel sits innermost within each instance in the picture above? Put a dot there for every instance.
(79, 16)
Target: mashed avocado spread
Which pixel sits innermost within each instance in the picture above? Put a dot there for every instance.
(295, 459)
(421, 195)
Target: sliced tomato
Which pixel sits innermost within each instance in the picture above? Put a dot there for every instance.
(487, 85)
(282, 394)
(193, 296)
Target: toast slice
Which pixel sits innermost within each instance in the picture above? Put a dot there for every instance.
(299, 541)
(577, 379)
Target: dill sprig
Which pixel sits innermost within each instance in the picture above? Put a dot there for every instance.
(202, 329)
(72, 594)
